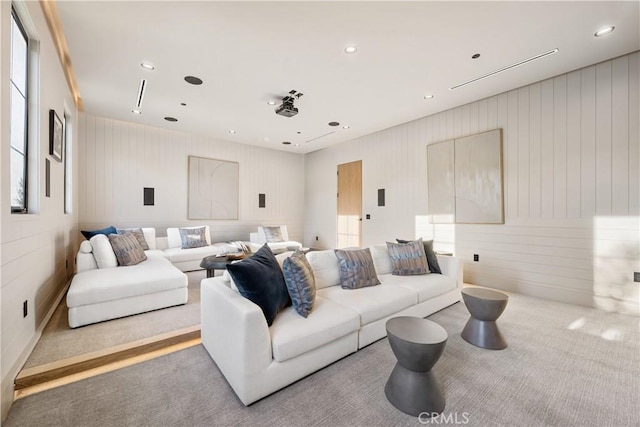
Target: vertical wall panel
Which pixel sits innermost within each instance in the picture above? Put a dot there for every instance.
(523, 152)
(573, 144)
(560, 146)
(603, 138)
(620, 136)
(535, 160)
(546, 145)
(634, 134)
(588, 140)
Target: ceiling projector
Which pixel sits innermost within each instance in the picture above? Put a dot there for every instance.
(287, 109)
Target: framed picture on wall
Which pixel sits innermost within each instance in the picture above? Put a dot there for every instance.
(55, 136)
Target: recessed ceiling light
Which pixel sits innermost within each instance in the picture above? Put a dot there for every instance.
(297, 145)
(231, 131)
(604, 31)
(345, 127)
(184, 104)
(193, 80)
(286, 143)
(350, 49)
(334, 124)
(136, 111)
(429, 96)
(147, 66)
(171, 119)
(271, 102)
(475, 56)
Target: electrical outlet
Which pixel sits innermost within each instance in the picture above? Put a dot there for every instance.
(66, 264)
(24, 309)
(636, 276)
(476, 257)
(316, 238)
(368, 216)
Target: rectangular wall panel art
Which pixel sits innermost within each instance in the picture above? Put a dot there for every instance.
(213, 188)
(478, 179)
(440, 180)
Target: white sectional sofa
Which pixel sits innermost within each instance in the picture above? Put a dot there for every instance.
(101, 290)
(258, 360)
(260, 238)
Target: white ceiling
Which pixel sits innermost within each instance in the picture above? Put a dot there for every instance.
(250, 52)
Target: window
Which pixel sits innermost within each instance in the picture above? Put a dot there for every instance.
(18, 111)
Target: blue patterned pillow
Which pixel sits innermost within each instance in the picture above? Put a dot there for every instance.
(260, 280)
(300, 281)
(193, 237)
(106, 231)
(273, 234)
(408, 258)
(356, 268)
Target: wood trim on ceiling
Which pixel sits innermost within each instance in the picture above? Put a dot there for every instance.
(52, 17)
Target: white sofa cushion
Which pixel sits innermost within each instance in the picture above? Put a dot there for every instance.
(326, 268)
(181, 255)
(381, 259)
(292, 335)
(428, 286)
(85, 247)
(103, 252)
(373, 302)
(175, 241)
(155, 274)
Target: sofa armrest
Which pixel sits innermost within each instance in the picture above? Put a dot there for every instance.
(451, 266)
(234, 332)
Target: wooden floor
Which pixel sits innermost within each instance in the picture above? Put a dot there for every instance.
(55, 374)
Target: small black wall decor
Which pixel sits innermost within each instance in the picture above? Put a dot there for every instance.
(47, 178)
(262, 200)
(381, 197)
(148, 196)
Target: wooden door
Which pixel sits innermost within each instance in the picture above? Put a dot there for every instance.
(349, 219)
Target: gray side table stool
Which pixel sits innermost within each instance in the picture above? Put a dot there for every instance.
(417, 344)
(485, 306)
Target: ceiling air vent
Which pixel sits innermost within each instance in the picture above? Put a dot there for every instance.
(141, 89)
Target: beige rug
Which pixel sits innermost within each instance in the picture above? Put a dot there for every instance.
(58, 341)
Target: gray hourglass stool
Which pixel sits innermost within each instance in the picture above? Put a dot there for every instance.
(417, 344)
(485, 306)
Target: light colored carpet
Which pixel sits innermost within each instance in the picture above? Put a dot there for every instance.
(58, 341)
(565, 365)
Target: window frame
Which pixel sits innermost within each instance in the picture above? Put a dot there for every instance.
(16, 18)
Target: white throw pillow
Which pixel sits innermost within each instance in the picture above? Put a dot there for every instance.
(175, 241)
(326, 268)
(103, 252)
(150, 237)
(381, 259)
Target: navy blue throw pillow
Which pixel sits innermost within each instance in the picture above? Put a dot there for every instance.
(432, 260)
(106, 231)
(259, 278)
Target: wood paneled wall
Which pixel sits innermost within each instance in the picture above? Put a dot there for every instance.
(571, 180)
(118, 159)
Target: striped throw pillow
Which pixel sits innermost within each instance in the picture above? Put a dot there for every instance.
(408, 259)
(139, 236)
(356, 268)
(300, 281)
(273, 234)
(127, 249)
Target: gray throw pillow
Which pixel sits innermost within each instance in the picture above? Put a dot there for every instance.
(139, 236)
(127, 249)
(408, 258)
(193, 237)
(273, 234)
(300, 281)
(356, 268)
(432, 259)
